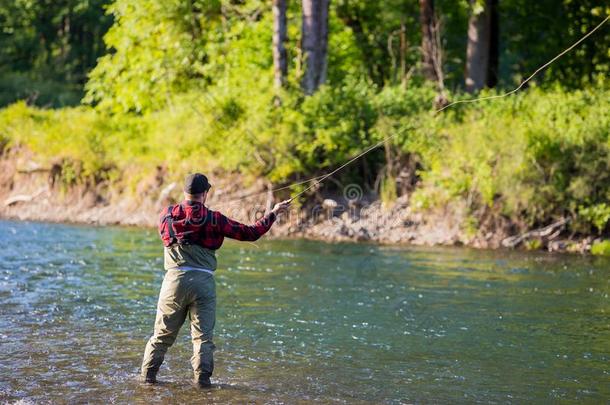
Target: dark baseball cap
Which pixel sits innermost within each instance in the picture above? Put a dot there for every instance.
(196, 183)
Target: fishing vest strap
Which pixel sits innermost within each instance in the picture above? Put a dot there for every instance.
(170, 224)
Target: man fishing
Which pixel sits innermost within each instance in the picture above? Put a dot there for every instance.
(191, 234)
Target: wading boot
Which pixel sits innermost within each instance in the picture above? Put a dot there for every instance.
(202, 381)
(150, 377)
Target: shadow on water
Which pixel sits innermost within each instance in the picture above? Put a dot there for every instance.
(302, 321)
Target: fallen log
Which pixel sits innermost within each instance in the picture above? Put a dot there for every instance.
(32, 167)
(23, 197)
(552, 229)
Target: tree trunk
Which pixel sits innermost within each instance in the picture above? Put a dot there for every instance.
(314, 42)
(494, 44)
(403, 53)
(280, 62)
(428, 27)
(477, 51)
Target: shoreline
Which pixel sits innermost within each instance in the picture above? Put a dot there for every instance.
(294, 237)
(30, 192)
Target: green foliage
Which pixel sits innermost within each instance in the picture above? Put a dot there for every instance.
(376, 26)
(598, 215)
(388, 192)
(190, 84)
(601, 248)
(48, 93)
(536, 156)
(74, 136)
(530, 40)
(157, 50)
(327, 136)
(157, 46)
(533, 157)
(533, 244)
(47, 48)
(470, 226)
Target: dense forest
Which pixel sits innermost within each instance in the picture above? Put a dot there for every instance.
(288, 90)
(48, 49)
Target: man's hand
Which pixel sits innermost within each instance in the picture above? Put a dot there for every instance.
(281, 207)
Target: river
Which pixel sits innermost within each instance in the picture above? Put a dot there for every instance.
(300, 321)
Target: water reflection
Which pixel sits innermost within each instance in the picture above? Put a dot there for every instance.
(301, 321)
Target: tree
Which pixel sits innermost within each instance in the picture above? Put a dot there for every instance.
(47, 47)
(428, 40)
(158, 48)
(314, 43)
(533, 32)
(280, 56)
(482, 50)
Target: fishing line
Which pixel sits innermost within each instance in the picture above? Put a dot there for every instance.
(378, 144)
(516, 89)
(319, 179)
(243, 197)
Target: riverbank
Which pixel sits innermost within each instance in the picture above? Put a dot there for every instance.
(33, 191)
(529, 171)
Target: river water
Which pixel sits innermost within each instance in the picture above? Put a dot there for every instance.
(300, 321)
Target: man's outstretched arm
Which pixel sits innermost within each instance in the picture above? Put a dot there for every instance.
(236, 230)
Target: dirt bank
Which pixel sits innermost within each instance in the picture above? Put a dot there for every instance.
(33, 191)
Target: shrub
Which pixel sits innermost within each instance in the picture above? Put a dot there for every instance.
(536, 156)
(532, 157)
(601, 248)
(16, 86)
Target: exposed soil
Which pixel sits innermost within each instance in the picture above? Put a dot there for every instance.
(31, 191)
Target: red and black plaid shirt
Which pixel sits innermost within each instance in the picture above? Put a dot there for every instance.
(208, 228)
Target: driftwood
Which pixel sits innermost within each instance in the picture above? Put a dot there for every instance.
(32, 167)
(165, 193)
(23, 197)
(551, 231)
